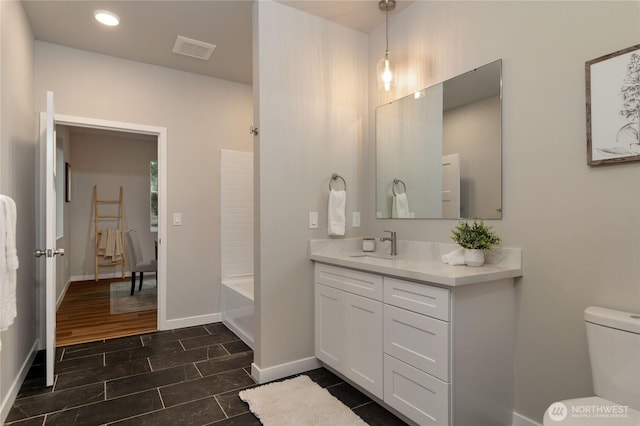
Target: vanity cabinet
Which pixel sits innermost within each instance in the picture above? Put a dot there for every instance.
(438, 355)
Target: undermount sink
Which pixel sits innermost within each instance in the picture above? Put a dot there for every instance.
(376, 256)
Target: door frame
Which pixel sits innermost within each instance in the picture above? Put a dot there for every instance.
(161, 134)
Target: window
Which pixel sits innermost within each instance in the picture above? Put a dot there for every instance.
(153, 174)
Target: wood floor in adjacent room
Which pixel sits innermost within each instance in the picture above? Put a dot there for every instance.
(85, 315)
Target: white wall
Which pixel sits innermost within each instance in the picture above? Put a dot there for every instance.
(201, 114)
(310, 99)
(17, 180)
(109, 161)
(579, 226)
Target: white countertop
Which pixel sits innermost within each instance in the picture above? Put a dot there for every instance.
(418, 261)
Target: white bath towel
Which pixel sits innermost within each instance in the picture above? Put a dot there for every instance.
(336, 215)
(8, 262)
(400, 207)
(455, 257)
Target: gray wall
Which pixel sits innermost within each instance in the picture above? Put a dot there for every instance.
(17, 180)
(311, 112)
(201, 114)
(579, 226)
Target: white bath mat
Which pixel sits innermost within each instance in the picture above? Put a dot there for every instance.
(298, 401)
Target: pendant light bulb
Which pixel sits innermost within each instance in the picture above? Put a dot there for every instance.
(384, 67)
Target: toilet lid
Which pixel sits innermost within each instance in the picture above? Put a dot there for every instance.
(592, 411)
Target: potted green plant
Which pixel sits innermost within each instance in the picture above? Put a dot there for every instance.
(474, 238)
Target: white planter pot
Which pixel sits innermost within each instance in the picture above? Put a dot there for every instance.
(474, 257)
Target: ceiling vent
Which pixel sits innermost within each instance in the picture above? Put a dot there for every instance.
(193, 48)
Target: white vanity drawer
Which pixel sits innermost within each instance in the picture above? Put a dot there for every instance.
(420, 298)
(356, 282)
(419, 396)
(418, 340)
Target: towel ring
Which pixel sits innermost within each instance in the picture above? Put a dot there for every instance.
(396, 181)
(334, 177)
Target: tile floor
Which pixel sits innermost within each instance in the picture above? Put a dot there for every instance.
(189, 376)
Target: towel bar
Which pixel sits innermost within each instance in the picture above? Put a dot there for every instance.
(334, 177)
(396, 181)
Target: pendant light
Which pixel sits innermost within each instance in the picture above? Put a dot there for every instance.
(384, 69)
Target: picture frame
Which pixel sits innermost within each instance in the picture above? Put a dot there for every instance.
(67, 182)
(613, 107)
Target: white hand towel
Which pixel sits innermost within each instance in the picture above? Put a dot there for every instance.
(455, 257)
(336, 215)
(8, 262)
(400, 207)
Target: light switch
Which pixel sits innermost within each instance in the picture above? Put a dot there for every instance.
(313, 220)
(355, 222)
(177, 219)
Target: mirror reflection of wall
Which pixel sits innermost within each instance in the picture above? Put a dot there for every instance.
(444, 143)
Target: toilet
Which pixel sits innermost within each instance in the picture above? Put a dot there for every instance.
(614, 349)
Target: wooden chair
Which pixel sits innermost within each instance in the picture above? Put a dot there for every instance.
(138, 264)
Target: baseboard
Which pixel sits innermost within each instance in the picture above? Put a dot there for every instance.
(263, 375)
(13, 390)
(190, 321)
(61, 297)
(520, 420)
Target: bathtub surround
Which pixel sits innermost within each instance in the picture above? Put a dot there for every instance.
(236, 214)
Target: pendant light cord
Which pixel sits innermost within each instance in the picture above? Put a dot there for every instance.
(386, 26)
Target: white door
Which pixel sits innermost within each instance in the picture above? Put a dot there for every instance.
(47, 251)
(451, 186)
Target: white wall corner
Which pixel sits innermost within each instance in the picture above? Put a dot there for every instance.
(12, 392)
(264, 375)
(520, 420)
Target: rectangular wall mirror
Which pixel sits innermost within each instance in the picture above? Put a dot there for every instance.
(439, 151)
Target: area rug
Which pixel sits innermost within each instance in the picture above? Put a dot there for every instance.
(144, 300)
(298, 401)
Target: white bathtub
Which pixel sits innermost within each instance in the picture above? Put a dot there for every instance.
(237, 307)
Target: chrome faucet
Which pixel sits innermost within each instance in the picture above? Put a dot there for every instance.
(394, 242)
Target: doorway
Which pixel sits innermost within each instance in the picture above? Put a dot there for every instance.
(84, 292)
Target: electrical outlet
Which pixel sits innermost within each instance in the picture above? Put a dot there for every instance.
(355, 220)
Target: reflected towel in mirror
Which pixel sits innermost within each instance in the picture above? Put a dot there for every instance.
(400, 207)
(336, 215)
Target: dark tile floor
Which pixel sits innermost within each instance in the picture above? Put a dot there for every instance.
(189, 376)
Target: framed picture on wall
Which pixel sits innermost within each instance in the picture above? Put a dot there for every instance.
(67, 182)
(613, 107)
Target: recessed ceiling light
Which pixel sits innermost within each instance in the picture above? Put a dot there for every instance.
(107, 18)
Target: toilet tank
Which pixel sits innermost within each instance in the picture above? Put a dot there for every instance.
(614, 350)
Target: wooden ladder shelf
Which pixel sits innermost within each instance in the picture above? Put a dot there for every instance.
(115, 218)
